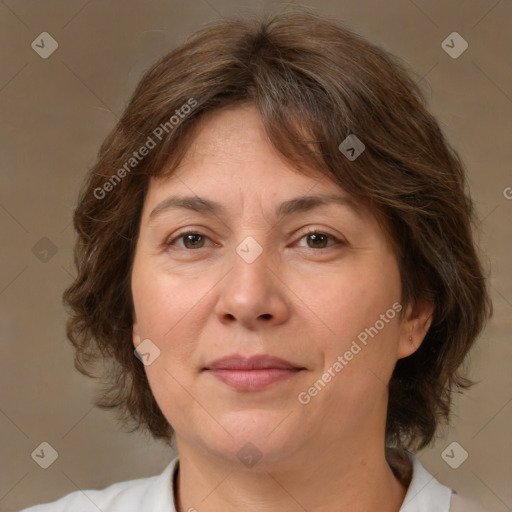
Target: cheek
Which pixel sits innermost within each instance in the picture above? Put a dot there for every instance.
(166, 309)
(354, 301)
(361, 309)
(163, 301)
(167, 313)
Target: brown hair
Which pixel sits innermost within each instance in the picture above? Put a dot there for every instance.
(314, 83)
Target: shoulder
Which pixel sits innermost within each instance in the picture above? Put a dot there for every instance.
(425, 493)
(462, 504)
(127, 496)
(122, 494)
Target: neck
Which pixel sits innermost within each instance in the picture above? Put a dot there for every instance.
(357, 480)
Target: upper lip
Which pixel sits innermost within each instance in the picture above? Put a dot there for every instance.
(256, 362)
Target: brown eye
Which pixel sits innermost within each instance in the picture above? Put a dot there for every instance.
(194, 239)
(191, 240)
(319, 240)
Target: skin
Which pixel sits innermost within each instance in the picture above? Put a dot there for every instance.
(299, 300)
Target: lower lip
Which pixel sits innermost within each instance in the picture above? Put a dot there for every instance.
(253, 380)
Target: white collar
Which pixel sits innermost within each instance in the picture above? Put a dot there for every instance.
(424, 493)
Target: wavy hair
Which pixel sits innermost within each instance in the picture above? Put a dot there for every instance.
(314, 83)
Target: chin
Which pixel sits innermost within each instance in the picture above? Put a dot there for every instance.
(257, 440)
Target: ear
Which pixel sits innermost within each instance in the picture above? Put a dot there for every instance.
(415, 324)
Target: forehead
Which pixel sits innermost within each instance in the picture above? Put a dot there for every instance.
(229, 149)
(231, 169)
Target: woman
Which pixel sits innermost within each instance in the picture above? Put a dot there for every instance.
(279, 229)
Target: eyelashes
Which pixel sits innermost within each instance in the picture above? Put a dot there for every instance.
(320, 235)
(170, 242)
(196, 239)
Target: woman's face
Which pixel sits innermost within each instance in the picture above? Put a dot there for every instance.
(248, 280)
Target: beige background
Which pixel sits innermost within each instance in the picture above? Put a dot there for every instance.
(56, 111)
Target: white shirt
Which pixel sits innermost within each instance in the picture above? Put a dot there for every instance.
(155, 494)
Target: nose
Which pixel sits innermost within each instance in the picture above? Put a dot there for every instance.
(252, 292)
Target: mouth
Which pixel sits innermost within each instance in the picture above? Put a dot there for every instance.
(253, 373)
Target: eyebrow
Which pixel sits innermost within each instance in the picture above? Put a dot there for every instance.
(287, 208)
